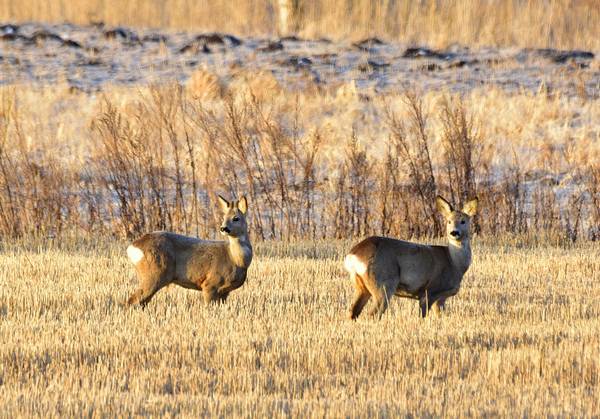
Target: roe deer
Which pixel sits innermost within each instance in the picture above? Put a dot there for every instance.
(382, 267)
(214, 267)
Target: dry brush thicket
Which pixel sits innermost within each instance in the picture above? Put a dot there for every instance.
(520, 339)
(318, 164)
(550, 23)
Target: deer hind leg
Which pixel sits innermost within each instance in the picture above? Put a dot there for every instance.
(135, 297)
(142, 296)
(361, 298)
(382, 293)
(154, 277)
(148, 287)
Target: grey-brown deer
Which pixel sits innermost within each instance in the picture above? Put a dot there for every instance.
(214, 267)
(382, 267)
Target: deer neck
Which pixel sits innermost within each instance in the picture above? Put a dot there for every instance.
(240, 251)
(460, 254)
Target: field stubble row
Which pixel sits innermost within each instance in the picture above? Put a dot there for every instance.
(520, 338)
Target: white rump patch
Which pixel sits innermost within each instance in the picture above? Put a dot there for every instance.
(134, 254)
(354, 265)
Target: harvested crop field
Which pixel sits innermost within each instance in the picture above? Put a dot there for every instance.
(520, 339)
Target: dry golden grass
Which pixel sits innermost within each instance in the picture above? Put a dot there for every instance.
(552, 23)
(534, 124)
(522, 338)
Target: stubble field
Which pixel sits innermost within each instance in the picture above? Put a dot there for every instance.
(520, 339)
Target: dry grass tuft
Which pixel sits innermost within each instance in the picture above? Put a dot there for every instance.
(204, 85)
(260, 84)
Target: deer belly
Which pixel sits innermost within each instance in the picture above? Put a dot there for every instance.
(186, 283)
(404, 293)
(411, 281)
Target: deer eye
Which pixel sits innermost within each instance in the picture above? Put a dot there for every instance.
(236, 218)
(462, 222)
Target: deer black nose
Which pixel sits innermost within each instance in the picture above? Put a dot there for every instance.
(454, 233)
(225, 230)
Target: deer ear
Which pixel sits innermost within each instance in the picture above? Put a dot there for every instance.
(243, 205)
(443, 206)
(223, 203)
(470, 208)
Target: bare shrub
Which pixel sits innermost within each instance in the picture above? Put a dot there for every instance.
(358, 171)
(390, 211)
(123, 164)
(462, 144)
(571, 217)
(592, 186)
(412, 146)
(156, 161)
(35, 190)
(504, 202)
(255, 147)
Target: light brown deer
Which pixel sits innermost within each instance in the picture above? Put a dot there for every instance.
(382, 267)
(214, 267)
